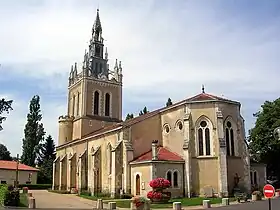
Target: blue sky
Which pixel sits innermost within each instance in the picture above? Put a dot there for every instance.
(230, 46)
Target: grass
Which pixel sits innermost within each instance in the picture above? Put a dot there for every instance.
(94, 197)
(23, 200)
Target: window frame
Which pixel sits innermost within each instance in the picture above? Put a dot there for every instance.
(230, 138)
(203, 130)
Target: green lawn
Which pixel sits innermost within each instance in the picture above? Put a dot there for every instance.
(94, 197)
(125, 203)
(23, 200)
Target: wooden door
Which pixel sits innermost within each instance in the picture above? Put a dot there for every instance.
(137, 182)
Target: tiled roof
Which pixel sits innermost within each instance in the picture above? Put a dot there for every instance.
(12, 165)
(126, 123)
(163, 154)
(197, 98)
(208, 97)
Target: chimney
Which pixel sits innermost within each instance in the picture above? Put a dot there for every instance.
(154, 150)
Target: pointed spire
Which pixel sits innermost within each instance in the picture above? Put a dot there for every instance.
(106, 54)
(97, 24)
(120, 67)
(116, 65)
(203, 89)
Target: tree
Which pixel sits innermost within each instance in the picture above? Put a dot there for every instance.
(33, 133)
(4, 153)
(129, 116)
(45, 160)
(144, 111)
(5, 107)
(263, 145)
(169, 102)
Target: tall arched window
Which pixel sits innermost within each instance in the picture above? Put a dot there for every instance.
(230, 139)
(78, 104)
(204, 141)
(96, 103)
(169, 177)
(73, 105)
(109, 158)
(107, 104)
(175, 179)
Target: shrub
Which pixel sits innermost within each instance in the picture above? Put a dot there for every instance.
(139, 201)
(159, 183)
(3, 190)
(9, 196)
(126, 196)
(36, 186)
(258, 193)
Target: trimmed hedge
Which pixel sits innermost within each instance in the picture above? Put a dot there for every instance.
(36, 186)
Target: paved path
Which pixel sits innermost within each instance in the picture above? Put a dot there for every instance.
(48, 200)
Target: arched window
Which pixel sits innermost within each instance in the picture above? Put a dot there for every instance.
(230, 139)
(96, 103)
(169, 177)
(254, 177)
(109, 158)
(107, 104)
(73, 105)
(175, 179)
(78, 104)
(204, 141)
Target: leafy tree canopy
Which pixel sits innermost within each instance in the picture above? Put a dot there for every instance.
(169, 102)
(263, 145)
(4, 153)
(5, 107)
(33, 133)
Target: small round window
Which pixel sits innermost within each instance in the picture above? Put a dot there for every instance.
(229, 124)
(180, 125)
(203, 124)
(166, 129)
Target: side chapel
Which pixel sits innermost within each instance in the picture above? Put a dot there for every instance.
(198, 143)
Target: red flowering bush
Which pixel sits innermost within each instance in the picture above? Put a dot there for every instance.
(139, 201)
(154, 195)
(159, 183)
(158, 194)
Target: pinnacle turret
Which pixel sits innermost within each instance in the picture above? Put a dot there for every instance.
(95, 59)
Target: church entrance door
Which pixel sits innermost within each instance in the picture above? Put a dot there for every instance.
(137, 182)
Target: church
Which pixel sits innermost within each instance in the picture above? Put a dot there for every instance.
(198, 144)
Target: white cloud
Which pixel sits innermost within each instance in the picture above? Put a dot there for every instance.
(185, 44)
(155, 44)
(13, 131)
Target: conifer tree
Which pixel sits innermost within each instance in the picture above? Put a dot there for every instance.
(33, 133)
(144, 111)
(129, 116)
(45, 160)
(169, 102)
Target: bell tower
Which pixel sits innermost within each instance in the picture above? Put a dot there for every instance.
(95, 92)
